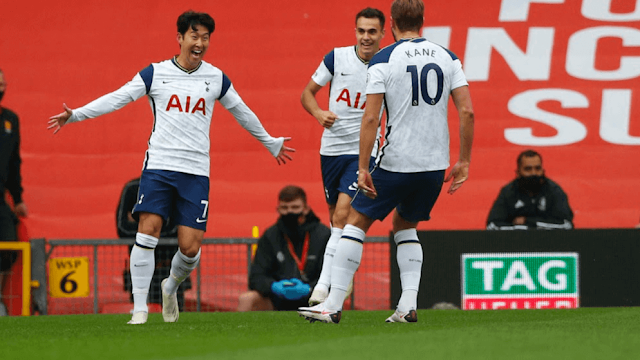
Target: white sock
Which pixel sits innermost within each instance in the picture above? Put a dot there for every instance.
(181, 267)
(141, 265)
(329, 252)
(409, 256)
(345, 263)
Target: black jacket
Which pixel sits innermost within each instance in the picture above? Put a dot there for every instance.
(10, 156)
(273, 261)
(549, 209)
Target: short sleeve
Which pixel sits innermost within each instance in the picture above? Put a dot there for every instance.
(458, 78)
(375, 79)
(324, 73)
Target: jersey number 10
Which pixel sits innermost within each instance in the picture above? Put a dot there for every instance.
(422, 86)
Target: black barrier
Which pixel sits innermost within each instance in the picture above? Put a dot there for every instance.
(609, 262)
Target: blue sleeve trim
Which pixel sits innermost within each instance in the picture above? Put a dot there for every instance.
(453, 56)
(383, 55)
(147, 76)
(329, 60)
(226, 84)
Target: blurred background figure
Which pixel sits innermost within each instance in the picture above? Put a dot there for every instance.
(287, 263)
(531, 201)
(10, 182)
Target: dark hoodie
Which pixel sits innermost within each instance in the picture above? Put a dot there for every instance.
(273, 261)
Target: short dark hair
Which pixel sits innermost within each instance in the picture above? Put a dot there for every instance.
(371, 13)
(527, 153)
(190, 19)
(292, 192)
(408, 14)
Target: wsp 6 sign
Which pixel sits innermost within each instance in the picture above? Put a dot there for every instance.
(69, 277)
(520, 281)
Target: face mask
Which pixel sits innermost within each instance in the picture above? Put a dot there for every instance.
(290, 220)
(531, 183)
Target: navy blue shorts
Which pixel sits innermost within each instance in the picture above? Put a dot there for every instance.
(184, 197)
(412, 194)
(340, 175)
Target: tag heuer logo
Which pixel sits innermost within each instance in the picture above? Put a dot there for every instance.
(520, 281)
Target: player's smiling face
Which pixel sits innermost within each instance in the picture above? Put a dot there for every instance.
(193, 46)
(368, 36)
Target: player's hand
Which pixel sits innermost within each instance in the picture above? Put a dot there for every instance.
(326, 119)
(459, 174)
(365, 184)
(283, 154)
(57, 121)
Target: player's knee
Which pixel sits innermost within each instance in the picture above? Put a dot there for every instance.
(150, 224)
(190, 250)
(340, 216)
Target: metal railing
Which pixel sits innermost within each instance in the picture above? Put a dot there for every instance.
(48, 248)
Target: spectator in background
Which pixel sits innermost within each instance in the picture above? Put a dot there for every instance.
(11, 181)
(127, 228)
(287, 263)
(531, 201)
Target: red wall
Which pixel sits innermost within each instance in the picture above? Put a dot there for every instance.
(78, 50)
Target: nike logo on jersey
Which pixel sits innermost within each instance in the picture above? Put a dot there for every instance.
(200, 221)
(165, 82)
(343, 74)
(353, 187)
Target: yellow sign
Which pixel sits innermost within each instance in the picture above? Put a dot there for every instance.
(69, 277)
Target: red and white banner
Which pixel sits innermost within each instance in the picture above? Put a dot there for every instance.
(558, 76)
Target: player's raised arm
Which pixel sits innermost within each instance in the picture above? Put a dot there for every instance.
(308, 99)
(248, 120)
(131, 91)
(460, 171)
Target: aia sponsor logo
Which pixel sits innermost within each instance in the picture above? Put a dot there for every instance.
(185, 105)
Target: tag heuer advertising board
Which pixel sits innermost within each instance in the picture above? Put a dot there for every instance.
(520, 281)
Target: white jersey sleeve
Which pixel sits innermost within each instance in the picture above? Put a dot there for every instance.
(323, 74)
(248, 120)
(131, 91)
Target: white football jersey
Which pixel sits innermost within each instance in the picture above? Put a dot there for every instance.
(347, 73)
(416, 77)
(182, 103)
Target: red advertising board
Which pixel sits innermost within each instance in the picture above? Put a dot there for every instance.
(558, 76)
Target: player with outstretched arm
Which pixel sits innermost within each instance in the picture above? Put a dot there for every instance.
(415, 77)
(182, 92)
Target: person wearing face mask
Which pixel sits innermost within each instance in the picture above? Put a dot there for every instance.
(11, 180)
(531, 201)
(288, 261)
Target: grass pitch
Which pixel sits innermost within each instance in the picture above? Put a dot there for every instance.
(587, 333)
